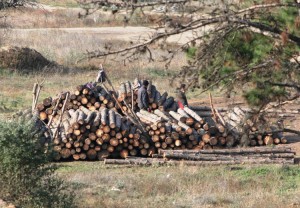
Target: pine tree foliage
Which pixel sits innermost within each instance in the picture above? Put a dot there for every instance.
(27, 178)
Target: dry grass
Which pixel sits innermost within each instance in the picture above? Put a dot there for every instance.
(58, 18)
(68, 46)
(68, 17)
(242, 186)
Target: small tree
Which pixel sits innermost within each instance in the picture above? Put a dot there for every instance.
(27, 177)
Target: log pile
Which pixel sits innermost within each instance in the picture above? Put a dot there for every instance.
(261, 155)
(91, 135)
(87, 96)
(184, 129)
(95, 123)
(252, 133)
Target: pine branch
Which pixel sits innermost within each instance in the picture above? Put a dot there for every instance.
(268, 28)
(290, 85)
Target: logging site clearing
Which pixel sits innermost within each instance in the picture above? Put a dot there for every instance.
(84, 112)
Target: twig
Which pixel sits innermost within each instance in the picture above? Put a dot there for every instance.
(35, 86)
(220, 117)
(61, 115)
(132, 91)
(54, 111)
(39, 88)
(212, 108)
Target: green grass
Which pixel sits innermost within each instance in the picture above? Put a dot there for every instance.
(100, 185)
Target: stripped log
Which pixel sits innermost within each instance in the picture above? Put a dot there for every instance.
(161, 114)
(187, 129)
(159, 161)
(193, 114)
(178, 117)
(151, 115)
(260, 150)
(112, 119)
(104, 116)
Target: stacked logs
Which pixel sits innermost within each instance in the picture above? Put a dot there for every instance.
(250, 133)
(90, 124)
(246, 132)
(166, 134)
(184, 129)
(127, 96)
(91, 135)
(85, 95)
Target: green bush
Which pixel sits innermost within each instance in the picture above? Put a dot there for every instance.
(27, 178)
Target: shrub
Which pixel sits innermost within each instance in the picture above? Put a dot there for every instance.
(27, 178)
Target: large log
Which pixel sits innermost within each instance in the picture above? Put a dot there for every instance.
(182, 113)
(177, 116)
(81, 117)
(118, 121)
(187, 129)
(161, 114)
(151, 115)
(193, 114)
(92, 154)
(112, 119)
(176, 127)
(268, 140)
(123, 91)
(104, 116)
(144, 117)
(47, 102)
(220, 157)
(260, 150)
(159, 161)
(97, 119)
(90, 117)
